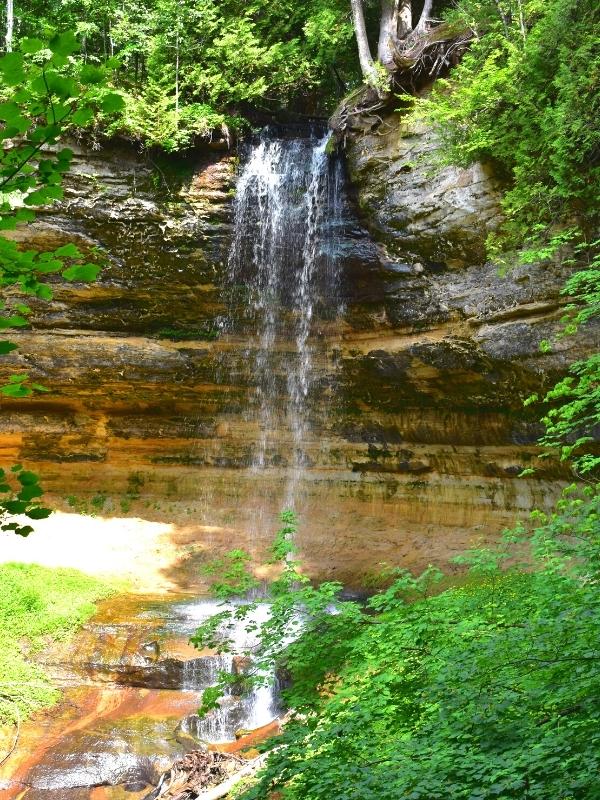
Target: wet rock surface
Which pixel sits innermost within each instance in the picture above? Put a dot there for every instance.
(417, 207)
(119, 722)
(417, 431)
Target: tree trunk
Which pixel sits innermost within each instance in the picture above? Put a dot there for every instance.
(395, 24)
(425, 17)
(404, 18)
(367, 65)
(10, 24)
(387, 32)
(177, 77)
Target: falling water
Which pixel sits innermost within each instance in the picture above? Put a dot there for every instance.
(287, 216)
(250, 711)
(283, 261)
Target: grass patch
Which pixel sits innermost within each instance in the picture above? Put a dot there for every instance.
(38, 606)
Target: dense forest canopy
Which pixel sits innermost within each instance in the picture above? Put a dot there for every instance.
(188, 67)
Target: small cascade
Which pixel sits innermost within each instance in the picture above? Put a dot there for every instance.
(235, 711)
(198, 673)
(288, 213)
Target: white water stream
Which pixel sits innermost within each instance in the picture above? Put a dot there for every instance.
(288, 212)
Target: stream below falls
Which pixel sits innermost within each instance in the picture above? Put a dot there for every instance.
(131, 688)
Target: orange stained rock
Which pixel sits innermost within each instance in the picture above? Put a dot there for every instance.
(245, 743)
(46, 731)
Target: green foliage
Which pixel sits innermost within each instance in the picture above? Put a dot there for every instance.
(230, 576)
(188, 69)
(20, 491)
(489, 690)
(572, 415)
(571, 425)
(525, 97)
(37, 606)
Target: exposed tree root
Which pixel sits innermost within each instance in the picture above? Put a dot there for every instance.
(419, 59)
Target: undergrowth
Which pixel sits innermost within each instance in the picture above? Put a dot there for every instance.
(38, 606)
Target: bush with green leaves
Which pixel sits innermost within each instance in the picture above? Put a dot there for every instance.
(486, 690)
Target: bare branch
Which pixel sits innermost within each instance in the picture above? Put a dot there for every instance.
(425, 17)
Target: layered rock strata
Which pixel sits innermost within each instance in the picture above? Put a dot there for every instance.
(418, 433)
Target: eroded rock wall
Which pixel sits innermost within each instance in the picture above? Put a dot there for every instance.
(418, 433)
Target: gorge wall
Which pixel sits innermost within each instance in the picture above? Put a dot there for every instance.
(417, 430)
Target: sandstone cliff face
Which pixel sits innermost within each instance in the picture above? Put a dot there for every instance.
(417, 428)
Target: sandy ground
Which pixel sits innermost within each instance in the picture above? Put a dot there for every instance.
(134, 551)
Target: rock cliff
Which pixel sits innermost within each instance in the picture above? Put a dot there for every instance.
(418, 433)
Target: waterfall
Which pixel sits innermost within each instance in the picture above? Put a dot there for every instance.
(288, 211)
(284, 289)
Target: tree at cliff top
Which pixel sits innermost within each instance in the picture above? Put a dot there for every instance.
(397, 30)
(44, 95)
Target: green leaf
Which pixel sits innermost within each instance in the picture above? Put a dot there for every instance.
(44, 195)
(50, 266)
(84, 272)
(28, 478)
(24, 215)
(31, 45)
(13, 321)
(65, 155)
(56, 84)
(90, 74)
(7, 347)
(67, 251)
(15, 390)
(83, 116)
(29, 493)
(9, 111)
(44, 292)
(38, 513)
(15, 506)
(112, 102)
(64, 44)
(11, 68)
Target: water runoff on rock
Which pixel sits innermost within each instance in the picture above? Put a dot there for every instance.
(288, 213)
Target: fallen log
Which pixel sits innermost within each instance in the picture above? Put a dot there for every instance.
(204, 775)
(223, 789)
